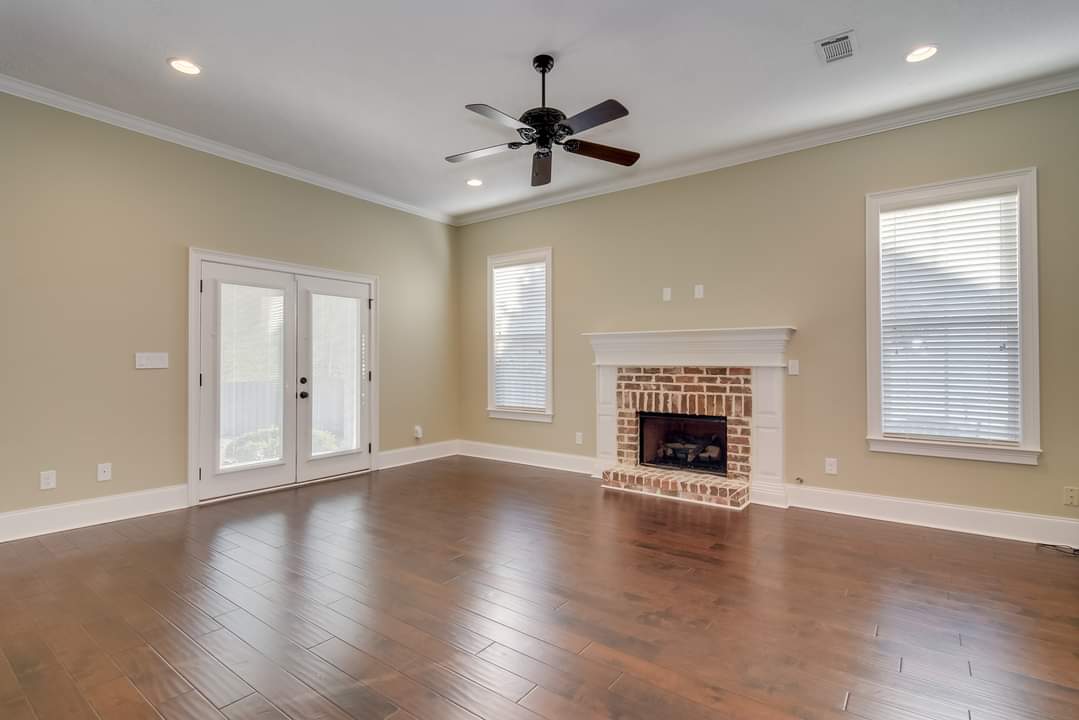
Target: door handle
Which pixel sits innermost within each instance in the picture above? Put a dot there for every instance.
(303, 381)
(303, 395)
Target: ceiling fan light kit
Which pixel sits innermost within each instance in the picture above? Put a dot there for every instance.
(548, 127)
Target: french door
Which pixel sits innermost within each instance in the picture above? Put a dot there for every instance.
(285, 378)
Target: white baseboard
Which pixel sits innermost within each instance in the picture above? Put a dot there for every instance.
(961, 518)
(1026, 527)
(585, 464)
(81, 513)
(771, 494)
(416, 453)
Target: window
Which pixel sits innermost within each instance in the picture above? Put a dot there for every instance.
(519, 336)
(952, 319)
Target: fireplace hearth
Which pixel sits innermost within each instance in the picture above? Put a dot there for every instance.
(696, 443)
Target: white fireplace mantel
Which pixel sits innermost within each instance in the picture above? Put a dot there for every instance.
(734, 347)
(764, 349)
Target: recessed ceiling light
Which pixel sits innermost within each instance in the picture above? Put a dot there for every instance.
(475, 182)
(921, 53)
(185, 66)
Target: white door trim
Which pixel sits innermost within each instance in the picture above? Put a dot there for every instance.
(196, 256)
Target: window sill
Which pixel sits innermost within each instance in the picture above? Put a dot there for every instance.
(526, 415)
(961, 451)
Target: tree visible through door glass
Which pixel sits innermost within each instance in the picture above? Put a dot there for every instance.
(251, 377)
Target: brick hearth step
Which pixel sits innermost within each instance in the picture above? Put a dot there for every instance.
(724, 492)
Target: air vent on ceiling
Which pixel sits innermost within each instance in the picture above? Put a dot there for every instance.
(836, 47)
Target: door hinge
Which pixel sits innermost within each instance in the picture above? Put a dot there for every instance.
(369, 376)
(200, 379)
(200, 473)
(370, 303)
(368, 447)
(200, 285)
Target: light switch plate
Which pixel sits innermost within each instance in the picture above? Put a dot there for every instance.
(666, 294)
(698, 292)
(48, 480)
(792, 367)
(831, 466)
(151, 360)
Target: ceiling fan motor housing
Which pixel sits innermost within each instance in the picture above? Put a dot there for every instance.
(545, 127)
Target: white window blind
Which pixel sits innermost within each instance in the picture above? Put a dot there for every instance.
(520, 329)
(949, 304)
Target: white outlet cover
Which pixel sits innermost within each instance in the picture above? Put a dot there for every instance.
(579, 438)
(48, 480)
(792, 367)
(417, 432)
(698, 291)
(151, 360)
(104, 472)
(831, 466)
(666, 294)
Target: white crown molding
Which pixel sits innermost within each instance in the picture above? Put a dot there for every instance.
(731, 347)
(81, 513)
(69, 103)
(961, 105)
(983, 100)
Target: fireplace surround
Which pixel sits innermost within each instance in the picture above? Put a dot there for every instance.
(736, 373)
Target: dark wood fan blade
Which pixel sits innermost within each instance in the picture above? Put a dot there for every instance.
(482, 152)
(498, 116)
(596, 115)
(602, 152)
(541, 168)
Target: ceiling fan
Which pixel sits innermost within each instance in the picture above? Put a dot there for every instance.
(546, 127)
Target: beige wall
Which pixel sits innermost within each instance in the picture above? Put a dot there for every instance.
(95, 225)
(782, 242)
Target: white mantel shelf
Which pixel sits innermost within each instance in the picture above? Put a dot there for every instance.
(734, 347)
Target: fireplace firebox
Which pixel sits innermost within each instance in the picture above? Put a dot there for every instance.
(686, 442)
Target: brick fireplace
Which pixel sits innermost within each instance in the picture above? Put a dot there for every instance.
(720, 395)
(692, 415)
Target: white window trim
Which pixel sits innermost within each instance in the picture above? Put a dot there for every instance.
(493, 411)
(1024, 182)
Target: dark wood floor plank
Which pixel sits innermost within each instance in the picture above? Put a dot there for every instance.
(471, 590)
(120, 700)
(253, 707)
(189, 706)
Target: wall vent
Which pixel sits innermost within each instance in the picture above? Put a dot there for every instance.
(836, 47)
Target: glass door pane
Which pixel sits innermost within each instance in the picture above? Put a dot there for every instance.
(252, 350)
(335, 374)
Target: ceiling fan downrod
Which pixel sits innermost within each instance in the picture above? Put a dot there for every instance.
(543, 65)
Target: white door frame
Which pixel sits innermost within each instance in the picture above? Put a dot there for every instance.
(196, 256)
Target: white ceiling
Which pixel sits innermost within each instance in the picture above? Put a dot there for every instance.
(369, 96)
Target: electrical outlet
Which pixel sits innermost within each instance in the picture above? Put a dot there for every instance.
(1071, 496)
(417, 432)
(104, 472)
(666, 294)
(579, 438)
(48, 480)
(831, 466)
(793, 367)
(698, 292)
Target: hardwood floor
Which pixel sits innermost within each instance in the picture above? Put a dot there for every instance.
(461, 589)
